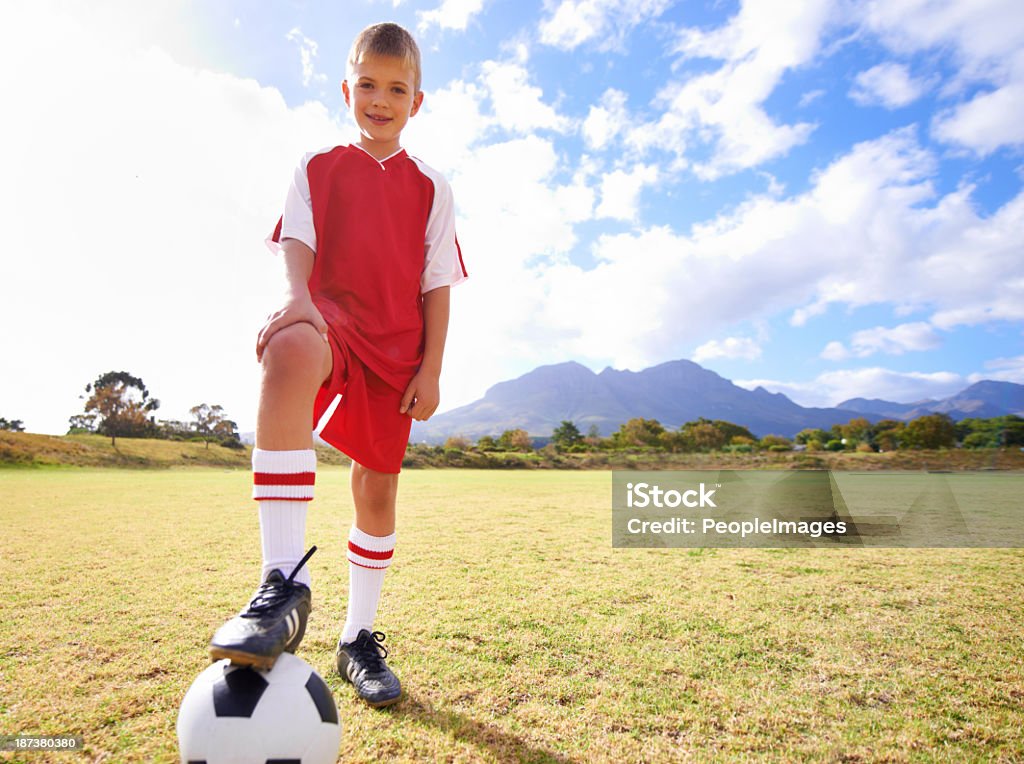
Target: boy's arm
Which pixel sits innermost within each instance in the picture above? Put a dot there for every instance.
(298, 304)
(423, 395)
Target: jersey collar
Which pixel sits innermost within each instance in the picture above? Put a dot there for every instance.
(378, 161)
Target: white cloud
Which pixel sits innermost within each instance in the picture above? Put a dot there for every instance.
(307, 54)
(1003, 370)
(451, 14)
(724, 109)
(731, 347)
(889, 85)
(518, 105)
(834, 387)
(985, 123)
(153, 224)
(896, 340)
(453, 119)
(810, 97)
(574, 22)
(987, 41)
(606, 120)
(985, 34)
(835, 351)
(869, 230)
(620, 191)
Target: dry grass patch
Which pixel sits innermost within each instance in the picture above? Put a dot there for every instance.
(519, 634)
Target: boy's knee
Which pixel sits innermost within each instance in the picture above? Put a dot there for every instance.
(372, 483)
(296, 347)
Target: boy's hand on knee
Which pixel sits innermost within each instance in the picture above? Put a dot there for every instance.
(422, 396)
(297, 310)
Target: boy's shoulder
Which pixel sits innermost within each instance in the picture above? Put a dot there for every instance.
(334, 150)
(436, 176)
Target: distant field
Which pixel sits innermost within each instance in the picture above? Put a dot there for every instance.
(21, 450)
(518, 632)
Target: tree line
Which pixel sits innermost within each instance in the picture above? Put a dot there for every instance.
(930, 431)
(118, 405)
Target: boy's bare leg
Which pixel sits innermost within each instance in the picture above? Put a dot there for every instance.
(295, 364)
(374, 494)
(371, 543)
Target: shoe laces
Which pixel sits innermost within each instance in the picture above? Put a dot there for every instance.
(370, 652)
(273, 594)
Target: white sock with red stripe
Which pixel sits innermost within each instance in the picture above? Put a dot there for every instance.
(368, 559)
(283, 485)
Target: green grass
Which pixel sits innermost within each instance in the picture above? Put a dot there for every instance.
(518, 633)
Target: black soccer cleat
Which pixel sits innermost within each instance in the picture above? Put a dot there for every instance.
(361, 662)
(273, 622)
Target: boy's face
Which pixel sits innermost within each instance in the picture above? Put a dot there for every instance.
(380, 92)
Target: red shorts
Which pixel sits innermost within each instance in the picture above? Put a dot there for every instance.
(367, 424)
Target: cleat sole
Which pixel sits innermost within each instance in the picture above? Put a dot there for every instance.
(239, 658)
(382, 703)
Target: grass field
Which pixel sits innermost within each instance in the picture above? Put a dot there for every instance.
(518, 632)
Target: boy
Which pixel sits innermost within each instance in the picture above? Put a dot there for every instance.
(369, 248)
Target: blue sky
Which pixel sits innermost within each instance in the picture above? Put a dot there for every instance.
(823, 197)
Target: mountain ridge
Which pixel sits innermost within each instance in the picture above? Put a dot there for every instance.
(675, 392)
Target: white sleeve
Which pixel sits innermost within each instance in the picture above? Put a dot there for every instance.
(297, 221)
(443, 259)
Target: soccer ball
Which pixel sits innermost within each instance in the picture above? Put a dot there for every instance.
(236, 715)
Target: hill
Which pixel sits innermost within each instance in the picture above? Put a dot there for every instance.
(25, 449)
(981, 400)
(676, 392)
(673, 393)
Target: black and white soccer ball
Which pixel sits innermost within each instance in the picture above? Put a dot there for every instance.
(235, 715)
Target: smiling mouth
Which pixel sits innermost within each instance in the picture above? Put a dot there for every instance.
(377, 119)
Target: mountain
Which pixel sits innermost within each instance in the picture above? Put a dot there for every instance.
(673, 393)
(885, 409)
(983, 400)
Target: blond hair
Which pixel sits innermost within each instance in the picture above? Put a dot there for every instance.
(387, 39)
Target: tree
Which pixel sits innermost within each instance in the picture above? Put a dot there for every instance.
(12, 425)
(856, 431)
(804, 437)
(226, 431)
(457, 442)
(638, 432)
(173, 429)
(776, 443)
(995, 432)
(81, 423)
(206, 419)
(730, 430)
(515, 440)
(704, 435)
(593, 437)
(566, 435)
(887, 435)
(122, 405)
(930, 431)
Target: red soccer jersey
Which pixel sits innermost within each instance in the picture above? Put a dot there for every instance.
(383, 233)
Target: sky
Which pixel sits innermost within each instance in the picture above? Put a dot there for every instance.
(823, 198)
